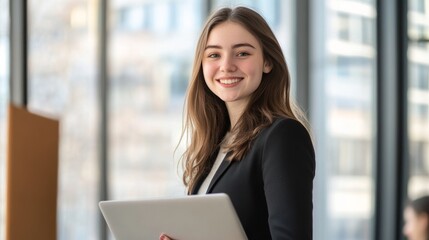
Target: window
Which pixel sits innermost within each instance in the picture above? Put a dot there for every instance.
(343, 104)
(346, 25)
(62, 84)
(417, 6)
(148, 76)
(419, 111)
(131, 18)
(342, 22)
(419, 30)
(350, 157)
(173, 16)
(419, 155)
(418, 103)
(368, 29)
(419, 76)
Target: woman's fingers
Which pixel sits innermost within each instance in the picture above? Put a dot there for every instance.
(163, 236)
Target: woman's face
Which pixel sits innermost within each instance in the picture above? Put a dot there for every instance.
(233, 63)
(416, 225)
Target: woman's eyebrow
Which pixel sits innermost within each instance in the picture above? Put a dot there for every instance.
(233, 46)
(242, 45)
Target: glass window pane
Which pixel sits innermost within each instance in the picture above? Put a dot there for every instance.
(417, 6)
(151, 46)
(343, 105)
(418, 99)
(4, 98)
(62, 84)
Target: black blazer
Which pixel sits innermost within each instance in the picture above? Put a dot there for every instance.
(271, 187)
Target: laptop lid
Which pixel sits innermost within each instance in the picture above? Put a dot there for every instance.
(196, 217)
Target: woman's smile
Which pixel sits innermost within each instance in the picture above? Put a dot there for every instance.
(229, 81)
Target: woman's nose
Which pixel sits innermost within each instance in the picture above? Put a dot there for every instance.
(228, 65)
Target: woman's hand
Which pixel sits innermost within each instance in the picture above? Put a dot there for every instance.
(163, 236)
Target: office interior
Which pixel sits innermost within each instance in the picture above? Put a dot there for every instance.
(114, 74)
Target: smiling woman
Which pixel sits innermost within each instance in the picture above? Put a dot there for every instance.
(248, 139)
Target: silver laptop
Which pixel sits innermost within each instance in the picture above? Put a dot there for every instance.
(209, 217)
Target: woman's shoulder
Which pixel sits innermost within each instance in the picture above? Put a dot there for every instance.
(285, 136)
(286, 124)
(284, 129)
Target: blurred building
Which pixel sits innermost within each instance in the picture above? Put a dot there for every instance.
(418, 97)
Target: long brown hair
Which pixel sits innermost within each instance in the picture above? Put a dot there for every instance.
(206, 117)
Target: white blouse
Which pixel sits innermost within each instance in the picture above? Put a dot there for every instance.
(205, 185)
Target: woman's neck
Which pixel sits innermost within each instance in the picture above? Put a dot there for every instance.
(235, 110)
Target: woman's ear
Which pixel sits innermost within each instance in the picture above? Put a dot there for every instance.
(267, 66)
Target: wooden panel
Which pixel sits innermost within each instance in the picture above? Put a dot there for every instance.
(32, 173)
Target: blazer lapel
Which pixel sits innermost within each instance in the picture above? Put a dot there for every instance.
(220, 172)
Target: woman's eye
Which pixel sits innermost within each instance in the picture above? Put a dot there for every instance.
(243, 54)
(213, 55)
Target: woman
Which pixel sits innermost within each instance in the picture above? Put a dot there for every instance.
(416, 216)
(247, 138)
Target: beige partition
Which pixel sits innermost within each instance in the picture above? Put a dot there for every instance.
(32, 171)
